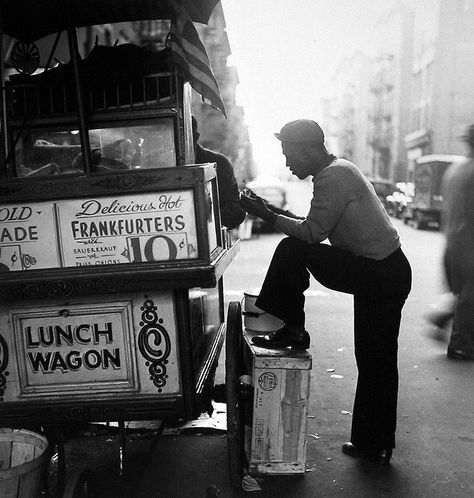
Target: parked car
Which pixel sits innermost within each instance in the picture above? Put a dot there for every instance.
(425, 208)
(396, 203)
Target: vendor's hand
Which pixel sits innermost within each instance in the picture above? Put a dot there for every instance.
(256, 206)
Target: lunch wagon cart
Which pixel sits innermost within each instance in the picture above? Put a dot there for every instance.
(112, 253)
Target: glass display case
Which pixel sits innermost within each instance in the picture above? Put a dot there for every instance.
(52, 151)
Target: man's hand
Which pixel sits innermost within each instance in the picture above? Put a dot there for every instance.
(256, 206)
(250, 194)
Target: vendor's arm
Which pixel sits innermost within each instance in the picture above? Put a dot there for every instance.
(232, 213)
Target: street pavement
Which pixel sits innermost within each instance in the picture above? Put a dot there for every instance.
(435, 439)
(434, 456)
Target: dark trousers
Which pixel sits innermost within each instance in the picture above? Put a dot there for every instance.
(380, 289)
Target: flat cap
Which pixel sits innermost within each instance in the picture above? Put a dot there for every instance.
(301, 131)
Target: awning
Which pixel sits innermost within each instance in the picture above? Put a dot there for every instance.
(29, 20)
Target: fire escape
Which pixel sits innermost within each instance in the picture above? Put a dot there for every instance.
(381, 131)
(347, 126)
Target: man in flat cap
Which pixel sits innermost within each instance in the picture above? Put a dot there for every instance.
(363, 258)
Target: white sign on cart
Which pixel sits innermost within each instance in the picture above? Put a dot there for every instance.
(98, 231)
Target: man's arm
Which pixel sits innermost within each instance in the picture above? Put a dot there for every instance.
(249, 193)
(327, 205)
(283, 212)
(258, 207)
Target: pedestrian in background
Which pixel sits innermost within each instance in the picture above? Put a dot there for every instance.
(364, 258)
(458, 225)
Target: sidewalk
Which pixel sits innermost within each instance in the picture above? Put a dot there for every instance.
(434, 455)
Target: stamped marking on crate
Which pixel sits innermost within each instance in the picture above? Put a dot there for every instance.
(268, 381)
(259, 425)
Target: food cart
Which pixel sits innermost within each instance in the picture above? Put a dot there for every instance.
(112, 253)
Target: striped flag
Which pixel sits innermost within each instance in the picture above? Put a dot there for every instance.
(190, 55)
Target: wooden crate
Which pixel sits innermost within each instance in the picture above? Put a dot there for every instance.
(281, 386)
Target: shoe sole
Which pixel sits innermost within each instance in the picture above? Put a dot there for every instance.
(300, 348)
(294, 347)
(453, 355)
(367, 456)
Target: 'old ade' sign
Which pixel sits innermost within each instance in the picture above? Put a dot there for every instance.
(28, 237)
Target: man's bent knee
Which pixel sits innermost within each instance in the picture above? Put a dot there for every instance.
(290, 245)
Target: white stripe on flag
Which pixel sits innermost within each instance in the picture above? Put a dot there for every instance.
(190, 54)
(205, 78)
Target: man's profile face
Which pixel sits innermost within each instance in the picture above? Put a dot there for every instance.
(298, 159)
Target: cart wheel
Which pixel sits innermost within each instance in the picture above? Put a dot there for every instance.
(235, 415)
(82, 484)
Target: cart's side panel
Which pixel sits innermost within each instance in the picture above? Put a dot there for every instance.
(115, 349)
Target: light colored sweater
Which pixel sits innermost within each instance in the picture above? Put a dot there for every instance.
(345, 210)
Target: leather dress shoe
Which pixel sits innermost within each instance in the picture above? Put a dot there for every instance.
(458, 354)
(282, 339)
(380, 456)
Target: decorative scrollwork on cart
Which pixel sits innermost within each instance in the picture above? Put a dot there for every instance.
(154, 344)
(27, 261)
(101, 285)
(37, 190)
(59, 288)
(48, 188)
(3, 366)
(33, 290)
(65, 288)
(110, 284)
(125, 182)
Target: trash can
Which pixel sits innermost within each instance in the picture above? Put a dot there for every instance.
(22, 457)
